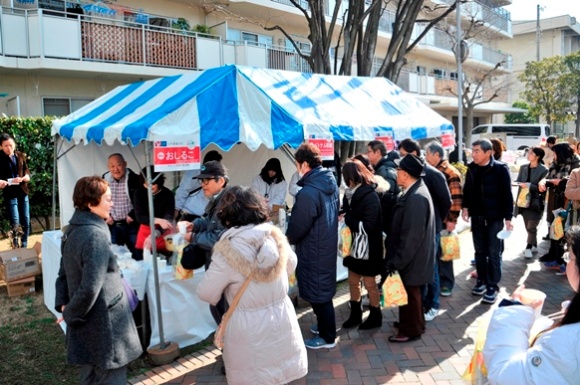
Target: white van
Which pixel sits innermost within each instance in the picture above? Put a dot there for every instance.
(515, 136)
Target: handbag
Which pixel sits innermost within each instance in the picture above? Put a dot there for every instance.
(360, 244)
(218, 337)
(394, 291)
(130, 293)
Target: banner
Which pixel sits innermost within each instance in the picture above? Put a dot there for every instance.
(325, 144)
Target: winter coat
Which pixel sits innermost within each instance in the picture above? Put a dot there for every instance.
(365, 207)
(440, 194)
(387, 169)
(553, 359)
(6, 173)
(209, 228)
(496, 189)
(262, 342)
(313, 228)
(411, 238)
(100, 328)
(536, 175)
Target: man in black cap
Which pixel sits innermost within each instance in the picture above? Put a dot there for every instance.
(204, 232)
(411, 245)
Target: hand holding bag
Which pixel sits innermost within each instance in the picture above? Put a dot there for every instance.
(218, 337)
(360, 244)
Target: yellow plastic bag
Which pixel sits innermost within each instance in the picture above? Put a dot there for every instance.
(344, 240)
(557, 228)
(450, 246)
(180, 272)
(476, 372)
(524, 198)
(394, 291)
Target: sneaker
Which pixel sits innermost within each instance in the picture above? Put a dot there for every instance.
(490, 295)
(479, 289)
(445, 292)
(319, 343)
(528, 254)
(431, 314)
(534, 249)
(472, 262)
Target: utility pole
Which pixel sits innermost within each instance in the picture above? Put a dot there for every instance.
(538, 33)
(458, 56)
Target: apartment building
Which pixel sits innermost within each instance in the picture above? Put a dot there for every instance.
(56, 56)
(558, 36)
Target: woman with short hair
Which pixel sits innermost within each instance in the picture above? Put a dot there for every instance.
(101, 334)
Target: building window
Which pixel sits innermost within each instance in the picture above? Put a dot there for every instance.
(439, 73)
(251, 38)
(453, 76)
(62, 106)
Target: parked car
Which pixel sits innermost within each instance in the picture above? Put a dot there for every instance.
(517, 137)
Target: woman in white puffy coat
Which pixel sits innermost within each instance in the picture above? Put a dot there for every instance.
(262, 341)
(554, 356)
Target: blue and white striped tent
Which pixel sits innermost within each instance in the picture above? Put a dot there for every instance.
(254, 106)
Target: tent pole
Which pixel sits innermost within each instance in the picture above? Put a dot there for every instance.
(54, 157)
(162, 344)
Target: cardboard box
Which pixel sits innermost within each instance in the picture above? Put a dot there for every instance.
(19, 263)
(21, 287)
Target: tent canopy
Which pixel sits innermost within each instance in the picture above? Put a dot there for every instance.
(255, 106)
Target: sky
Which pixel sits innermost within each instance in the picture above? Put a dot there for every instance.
(527, 9)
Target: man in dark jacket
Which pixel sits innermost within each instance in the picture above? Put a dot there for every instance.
(384, 165)
(204, 232)
(14, 179)
(313, 228)
(123, 182)
(439, 191)
(411, 247)
(488, 200)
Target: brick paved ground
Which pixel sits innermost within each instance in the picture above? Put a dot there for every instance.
(440, 357)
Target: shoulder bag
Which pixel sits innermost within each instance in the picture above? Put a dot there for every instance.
(360, 243)
(218, 337)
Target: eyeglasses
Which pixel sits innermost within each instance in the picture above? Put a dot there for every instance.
(566, 257)
(205, 181)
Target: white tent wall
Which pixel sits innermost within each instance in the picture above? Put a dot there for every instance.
(83, 160)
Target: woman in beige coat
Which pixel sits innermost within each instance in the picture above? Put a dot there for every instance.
(262, 342)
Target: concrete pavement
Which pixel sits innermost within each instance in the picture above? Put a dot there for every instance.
(366, 357)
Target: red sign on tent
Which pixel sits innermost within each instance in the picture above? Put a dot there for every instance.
(324, 144)
(175, 156)
(388, 140)
(447, 140)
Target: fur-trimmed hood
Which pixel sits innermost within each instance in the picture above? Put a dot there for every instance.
(260, 248)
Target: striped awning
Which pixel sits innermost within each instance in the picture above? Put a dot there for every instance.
(255, 106)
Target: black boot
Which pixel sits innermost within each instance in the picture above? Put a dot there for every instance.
(355, 315)
(375, 319)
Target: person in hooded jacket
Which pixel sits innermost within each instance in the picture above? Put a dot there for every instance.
(361, 206)
(313, 228)
(101, 335)
(271, 183)
(384, 165)
(262, 340)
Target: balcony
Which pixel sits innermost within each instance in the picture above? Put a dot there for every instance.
(488, 11)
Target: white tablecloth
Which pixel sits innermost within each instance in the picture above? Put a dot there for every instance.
(186, 319)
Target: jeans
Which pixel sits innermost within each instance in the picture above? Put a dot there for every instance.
(18, 211)
(326, 320)
(446, 274)
(430, 292)
(488, 249)
(123, 233)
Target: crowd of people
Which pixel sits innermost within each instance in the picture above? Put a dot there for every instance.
(401, 200)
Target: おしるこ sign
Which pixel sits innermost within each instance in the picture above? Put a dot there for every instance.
(175, 156)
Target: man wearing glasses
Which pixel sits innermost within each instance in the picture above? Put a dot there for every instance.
(204, 232)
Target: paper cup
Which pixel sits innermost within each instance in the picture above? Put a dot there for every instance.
(504, 234)
(182, 226)
(528, 296)
(161, 264)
